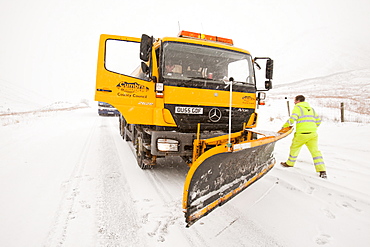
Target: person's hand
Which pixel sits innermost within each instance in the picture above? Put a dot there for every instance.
(284, 129)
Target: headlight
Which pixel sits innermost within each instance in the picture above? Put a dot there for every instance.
(165, 145)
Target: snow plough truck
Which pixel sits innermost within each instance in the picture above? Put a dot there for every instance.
(193, 96)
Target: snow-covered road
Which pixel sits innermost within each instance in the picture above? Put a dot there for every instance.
(68, 179)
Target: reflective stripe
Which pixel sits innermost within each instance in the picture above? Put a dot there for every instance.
(305, 117)
(319, 163)
(306, 121)
(310, 140)
(300, 108)
(292, 118)
(318, 160)
(318, 119)
(292, 158)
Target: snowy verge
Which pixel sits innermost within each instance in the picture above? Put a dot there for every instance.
(17, 117)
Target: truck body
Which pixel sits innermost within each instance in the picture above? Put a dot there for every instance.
(182, 81)
(193, 96)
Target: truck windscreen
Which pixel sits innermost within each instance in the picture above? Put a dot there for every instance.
(193, 65)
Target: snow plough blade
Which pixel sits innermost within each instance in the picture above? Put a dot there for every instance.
(222, 170)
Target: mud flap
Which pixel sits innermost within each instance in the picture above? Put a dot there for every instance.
(221, 173)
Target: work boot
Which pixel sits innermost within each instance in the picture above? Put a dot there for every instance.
(285, 164)
(323, 175)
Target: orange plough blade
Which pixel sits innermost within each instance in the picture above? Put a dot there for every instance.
(223, 171)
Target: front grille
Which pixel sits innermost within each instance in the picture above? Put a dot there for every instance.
(189, 122)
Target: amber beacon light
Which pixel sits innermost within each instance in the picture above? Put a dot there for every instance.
(187, 34)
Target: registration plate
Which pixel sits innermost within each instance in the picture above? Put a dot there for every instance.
(188, 110)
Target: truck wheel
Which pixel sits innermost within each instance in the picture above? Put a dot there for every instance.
(122, 126)
(141, 153)
(130, 128)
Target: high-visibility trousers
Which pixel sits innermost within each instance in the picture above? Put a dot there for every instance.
(311, 141)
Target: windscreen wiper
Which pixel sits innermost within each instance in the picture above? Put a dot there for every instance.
(200, 78)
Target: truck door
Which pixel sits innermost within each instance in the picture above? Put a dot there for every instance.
(120, 81)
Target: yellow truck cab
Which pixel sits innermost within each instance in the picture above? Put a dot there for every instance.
(168, 90)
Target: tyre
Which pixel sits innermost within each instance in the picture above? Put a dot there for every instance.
(122, 126)
(129, 129)
(143, 156)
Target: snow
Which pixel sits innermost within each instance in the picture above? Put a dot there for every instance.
(68, 179)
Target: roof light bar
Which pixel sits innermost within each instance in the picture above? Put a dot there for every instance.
(188, 34)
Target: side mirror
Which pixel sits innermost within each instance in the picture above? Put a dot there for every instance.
(268, 85)
(144, 68)
(269, 69)
(145, 47)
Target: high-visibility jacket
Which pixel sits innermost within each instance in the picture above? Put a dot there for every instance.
(305, 117)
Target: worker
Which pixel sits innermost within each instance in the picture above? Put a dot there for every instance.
(307, 122)
(172, 67)
(169, 69)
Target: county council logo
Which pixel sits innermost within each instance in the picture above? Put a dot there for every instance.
(132, 87)
(248, 99)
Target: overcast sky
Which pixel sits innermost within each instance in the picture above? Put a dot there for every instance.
(51, 46)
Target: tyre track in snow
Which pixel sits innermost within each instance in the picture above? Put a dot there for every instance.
(117, 221)
(96, 206)
(160, 212)
(172, 216)
(71, 187)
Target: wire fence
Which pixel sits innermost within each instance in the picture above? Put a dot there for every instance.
(330, 110)
(340, 114)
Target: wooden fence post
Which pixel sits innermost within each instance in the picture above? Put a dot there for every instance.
(287, 103)
(342, 112)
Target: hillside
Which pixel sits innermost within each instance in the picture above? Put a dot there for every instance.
(327, 93)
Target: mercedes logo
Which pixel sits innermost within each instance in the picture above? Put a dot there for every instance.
(214, 115)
